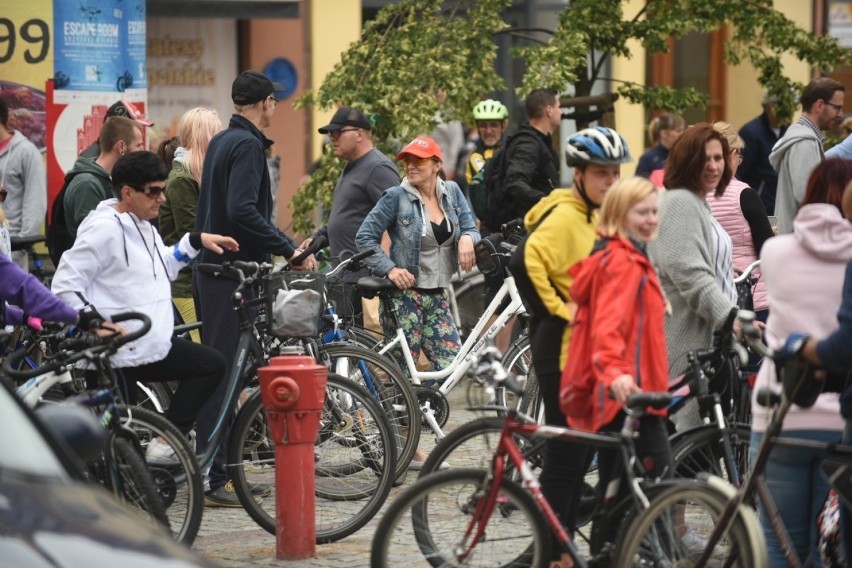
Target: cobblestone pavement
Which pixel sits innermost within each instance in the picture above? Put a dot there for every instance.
(232, 539)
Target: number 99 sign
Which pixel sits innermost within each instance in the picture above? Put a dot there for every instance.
(32, 37)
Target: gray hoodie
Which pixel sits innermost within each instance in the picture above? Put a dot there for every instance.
(794, 157)
(22, 174)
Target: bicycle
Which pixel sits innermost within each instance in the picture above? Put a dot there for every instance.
(355, 449)
(121, 467)
(433, 401)
(475, 517)
(731, 506)
(341, 347)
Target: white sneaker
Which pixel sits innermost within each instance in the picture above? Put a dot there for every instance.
(693, 541)
(417, 465)
(158, 450)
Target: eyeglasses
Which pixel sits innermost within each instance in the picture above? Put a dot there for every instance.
(152, 191)
(838, 108)
(335, 134)
(3, 194)
(737, 154)
(274, 101)
(415, 161)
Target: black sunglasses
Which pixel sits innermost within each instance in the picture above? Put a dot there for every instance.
(151, 190)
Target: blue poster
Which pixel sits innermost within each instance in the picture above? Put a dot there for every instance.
(93, 44)
(133, 47)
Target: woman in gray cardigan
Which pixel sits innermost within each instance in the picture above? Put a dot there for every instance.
(692, 251)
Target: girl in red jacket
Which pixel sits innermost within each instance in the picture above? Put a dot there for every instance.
(618, 345)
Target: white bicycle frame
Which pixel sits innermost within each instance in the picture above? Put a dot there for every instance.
(33, 389)
(469, 350)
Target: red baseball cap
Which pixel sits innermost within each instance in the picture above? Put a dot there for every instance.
(128, 109)
(421, 147)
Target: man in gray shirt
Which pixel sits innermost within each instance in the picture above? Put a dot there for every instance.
(366, 175)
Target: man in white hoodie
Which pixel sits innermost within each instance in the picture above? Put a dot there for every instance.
(799, 151)
(23, 184)
(119, 263)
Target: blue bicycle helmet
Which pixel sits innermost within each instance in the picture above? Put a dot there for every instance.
(597, 145)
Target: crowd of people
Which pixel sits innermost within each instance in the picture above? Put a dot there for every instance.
(621, 277)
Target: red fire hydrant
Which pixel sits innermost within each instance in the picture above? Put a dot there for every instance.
(293, 392)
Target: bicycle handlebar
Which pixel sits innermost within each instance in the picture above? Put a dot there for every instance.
(352, 263)
(87, 346)
(316, 245)
(747, 272)
(752, 335)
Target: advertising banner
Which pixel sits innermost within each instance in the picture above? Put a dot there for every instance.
(99, 60)
(26, 57)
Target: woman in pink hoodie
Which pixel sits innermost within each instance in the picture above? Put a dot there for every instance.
(804, 278)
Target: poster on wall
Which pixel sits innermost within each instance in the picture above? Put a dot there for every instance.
(191, 63)
(99, 60)
(26, 57)
(840, 21)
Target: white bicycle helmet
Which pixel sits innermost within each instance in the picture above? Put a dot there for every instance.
(596, 145)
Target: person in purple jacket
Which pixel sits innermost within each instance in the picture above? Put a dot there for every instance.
(30, 301)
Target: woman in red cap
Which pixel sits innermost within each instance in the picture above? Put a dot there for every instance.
(432, 231)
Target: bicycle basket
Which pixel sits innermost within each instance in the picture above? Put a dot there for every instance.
(294, 303)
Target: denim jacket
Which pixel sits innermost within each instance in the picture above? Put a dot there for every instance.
(400, 212)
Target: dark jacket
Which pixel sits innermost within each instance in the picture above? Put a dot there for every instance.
(532, 170)
(177, 217)
(652, 160)
(755, 169)
(236, 199)
(90, 184)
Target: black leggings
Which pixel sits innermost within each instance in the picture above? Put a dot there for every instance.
(198, 370)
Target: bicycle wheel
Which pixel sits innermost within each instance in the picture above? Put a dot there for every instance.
(518, 361)
(386, 383)
(354, 460)
(129, 479)
(175, 469)
(472, 445)
(675, 529)
(432, 523)
(702, 450)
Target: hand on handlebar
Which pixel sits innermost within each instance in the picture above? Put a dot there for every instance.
(622, 387)
(309, 263)
(219, 243)
(793, 346)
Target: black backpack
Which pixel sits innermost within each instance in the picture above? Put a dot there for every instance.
(499, 209)
(58, 238)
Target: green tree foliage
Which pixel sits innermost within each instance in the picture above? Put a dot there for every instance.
(414, 53)
(416, 49)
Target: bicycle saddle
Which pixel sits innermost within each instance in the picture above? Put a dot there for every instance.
(22, 243)
(371, 286)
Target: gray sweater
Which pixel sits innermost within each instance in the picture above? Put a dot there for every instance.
(684, 255)
(794, 157)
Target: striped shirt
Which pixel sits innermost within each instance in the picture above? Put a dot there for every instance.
(724, 262)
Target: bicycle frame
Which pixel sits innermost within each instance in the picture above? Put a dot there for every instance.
(508, 451)
(755, 481)
(472, 346)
